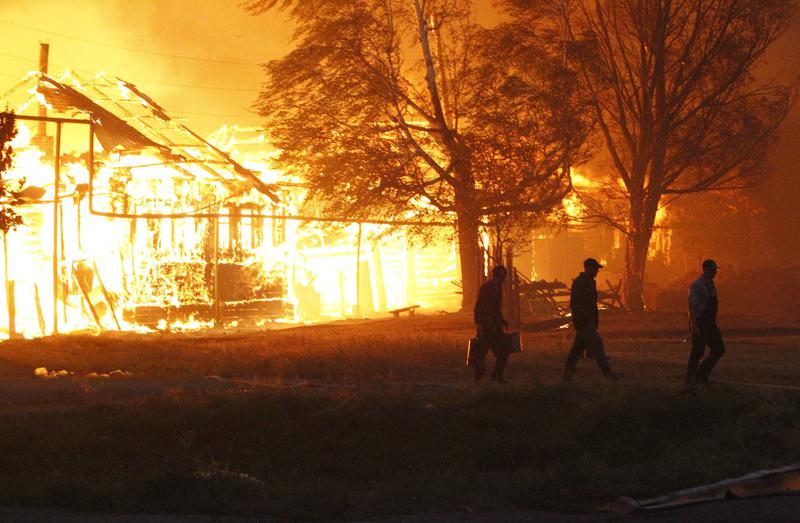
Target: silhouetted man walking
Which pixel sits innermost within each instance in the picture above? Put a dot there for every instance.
(703, 306)
(586, 319)
(491, 325)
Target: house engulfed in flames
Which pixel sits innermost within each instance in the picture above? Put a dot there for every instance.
(150, 225)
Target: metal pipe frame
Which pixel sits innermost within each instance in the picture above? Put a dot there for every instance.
(56, 203)
(177, 216)
(51, 119)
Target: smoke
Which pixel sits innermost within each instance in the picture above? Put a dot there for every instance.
(227, 42)
(780, 194)
(220, 30)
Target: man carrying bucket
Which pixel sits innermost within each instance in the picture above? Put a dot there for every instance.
(586, 319)
(491, 326)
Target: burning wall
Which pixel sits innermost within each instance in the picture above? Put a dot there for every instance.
(152, 225)
(558, 254)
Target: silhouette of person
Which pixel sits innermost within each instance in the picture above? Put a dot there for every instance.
(703, 306)
(586, 320)
(491, 326)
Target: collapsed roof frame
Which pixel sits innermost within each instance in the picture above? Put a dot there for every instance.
(57, 221)
(132, 121)
(137, 128)
(127, 120)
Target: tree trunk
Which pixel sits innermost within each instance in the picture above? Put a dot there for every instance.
(635, 257)
(471, 257)
(636, 248)
(464, 186)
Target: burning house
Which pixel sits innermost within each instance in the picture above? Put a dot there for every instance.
(558, 252)
(151, 225)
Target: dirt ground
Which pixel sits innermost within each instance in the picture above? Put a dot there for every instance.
(82, 371)
(783, 509)
(77, 373)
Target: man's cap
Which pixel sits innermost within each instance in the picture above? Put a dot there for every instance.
(710, 264)
(499, 269)
(591, 262)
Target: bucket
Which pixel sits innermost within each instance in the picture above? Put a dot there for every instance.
(513, 342)
(473, 350)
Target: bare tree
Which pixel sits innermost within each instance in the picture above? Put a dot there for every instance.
(400, 107)
(675, 100)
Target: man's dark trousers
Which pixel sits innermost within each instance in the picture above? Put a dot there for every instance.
(492, 338)
(710, 335)
(587, 339)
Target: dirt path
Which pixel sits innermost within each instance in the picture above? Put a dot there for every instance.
(250, 363)
(777, 509)
(19, 396)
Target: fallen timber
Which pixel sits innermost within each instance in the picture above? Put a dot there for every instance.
(243, 312)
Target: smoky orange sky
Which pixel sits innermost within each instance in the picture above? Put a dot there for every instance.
(217, 87)
(199, 59)
(88, 36)
(779, 196)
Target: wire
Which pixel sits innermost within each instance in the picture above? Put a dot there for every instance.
(51, 63)
(131, 49)
(215, 115)
(185, 86)
(209, 87)
(17, 57)
(177, 113)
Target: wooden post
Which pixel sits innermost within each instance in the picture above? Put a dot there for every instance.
(106, 296)
(90, 160)
(216, 272)
(78, 218)
(511, 298)
(62, 249)
(409, 270)
(56, 203)
(10, 295)
(380, 284)
(132, 248)
(484, 261)
(517, 300)
(342, 299)
(39, 313)
(61, 242)
(44, 59)
(85, 292)
(357, 307)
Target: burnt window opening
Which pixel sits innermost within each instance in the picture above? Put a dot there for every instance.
(241, 230)
(278, 225)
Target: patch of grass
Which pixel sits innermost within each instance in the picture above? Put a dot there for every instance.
(331, 354)
(392, 351)
(385, 421)
(340, 455)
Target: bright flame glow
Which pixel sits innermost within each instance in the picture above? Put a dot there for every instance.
(158, 273)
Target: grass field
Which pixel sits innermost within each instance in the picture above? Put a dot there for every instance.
(375, 418)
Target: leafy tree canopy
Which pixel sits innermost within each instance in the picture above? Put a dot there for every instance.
(9, 197)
